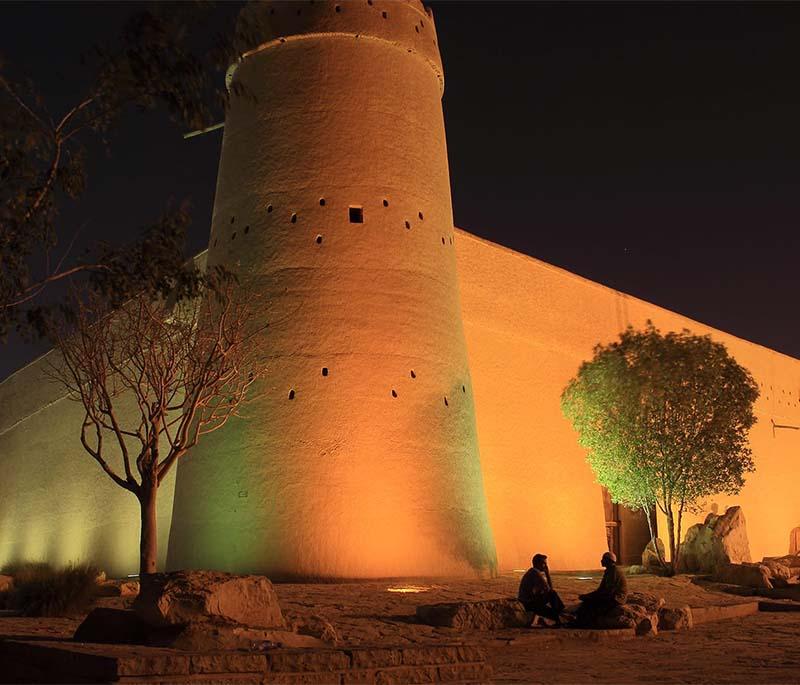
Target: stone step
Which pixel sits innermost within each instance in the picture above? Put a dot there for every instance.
(42, 661)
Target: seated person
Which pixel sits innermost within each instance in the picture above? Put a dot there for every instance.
(612, 592)
(536, 591)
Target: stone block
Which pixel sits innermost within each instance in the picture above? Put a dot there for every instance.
(647, 600)
(719, 541)
(719, 613)
(375, 657)
(460, 673)
(227, 662)
(406, 674)
(302, 660)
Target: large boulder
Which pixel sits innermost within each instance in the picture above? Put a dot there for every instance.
(182, 597)
(794, 542)
(718, 541)
(677, 618)
(748, 575)
(486, 615)
(650, 558)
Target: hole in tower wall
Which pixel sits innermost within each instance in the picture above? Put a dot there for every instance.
(319, 240)
(413, 375)
(419, 214)
(338, 8)
(408, 225)
(291, 394)
(442, 240)
(322, 202)
(247, 229)
(233, 218)
(269, 209)
(463, 388)
(416, 28)
(356, 215)
(294, 218)
(215, 242)
(233, 236)
(386, 203)
(385, 15)
(446, 403)
(394, 393)
(324, 370)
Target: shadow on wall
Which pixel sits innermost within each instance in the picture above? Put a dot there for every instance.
(466, 519)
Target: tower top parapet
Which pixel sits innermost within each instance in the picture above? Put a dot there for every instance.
(405, 24)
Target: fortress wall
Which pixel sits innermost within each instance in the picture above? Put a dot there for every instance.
(529, 325)
(56, 503)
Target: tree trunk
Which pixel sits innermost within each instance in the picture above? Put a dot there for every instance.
(672, 550)
(648, 512)
(678, 546)
(148, 542)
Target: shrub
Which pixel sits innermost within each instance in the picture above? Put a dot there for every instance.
(41, 590)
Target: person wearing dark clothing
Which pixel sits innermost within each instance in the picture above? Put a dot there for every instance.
(611, 593)
(536, 591)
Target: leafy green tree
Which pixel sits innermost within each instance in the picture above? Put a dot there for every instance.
(665, 419)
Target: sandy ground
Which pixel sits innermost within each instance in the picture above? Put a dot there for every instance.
(764, 648)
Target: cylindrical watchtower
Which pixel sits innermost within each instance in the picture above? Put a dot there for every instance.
(333, 200)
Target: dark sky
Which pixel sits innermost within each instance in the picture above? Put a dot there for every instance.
(651, 147)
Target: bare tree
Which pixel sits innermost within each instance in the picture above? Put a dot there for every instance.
(186, 368)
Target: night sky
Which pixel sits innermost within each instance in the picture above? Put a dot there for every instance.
(654, 148)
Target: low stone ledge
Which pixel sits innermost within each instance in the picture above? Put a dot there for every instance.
(720, 613)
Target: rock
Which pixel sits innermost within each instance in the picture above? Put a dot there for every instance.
(748, 575)
(674, 618)
(318, 627)
(719, 541)
(636, 570)
(780, 575)
(6, 583)
(185, 597)
(636, 616)
(792, 561)
(646, 600)
(485, 615)
(648, 626)
(226, 635)
(112, 626)
(118, 588)
(650, 556)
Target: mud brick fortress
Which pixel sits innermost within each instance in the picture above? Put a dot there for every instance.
(410, 424)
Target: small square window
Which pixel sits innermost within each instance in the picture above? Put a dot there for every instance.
(356, 215)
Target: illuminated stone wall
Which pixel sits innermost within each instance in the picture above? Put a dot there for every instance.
(56, 504)
(529, 325)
